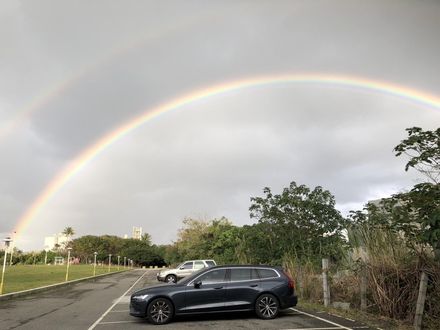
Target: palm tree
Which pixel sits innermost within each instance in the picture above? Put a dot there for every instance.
(68, 232)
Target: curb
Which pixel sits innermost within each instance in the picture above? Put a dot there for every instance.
(11, 295)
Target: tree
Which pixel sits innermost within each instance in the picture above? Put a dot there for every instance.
(300, 222)
(147, 238)
(421, 205)
(68, 232)
(423, 149)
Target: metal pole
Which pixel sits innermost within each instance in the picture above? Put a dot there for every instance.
(109, 261)
(119, 257)
(3, 272)
(94, 264)
(125, 258)
(68, 263)
(7, 240)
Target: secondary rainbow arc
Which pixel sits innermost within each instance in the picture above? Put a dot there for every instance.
(87, 155)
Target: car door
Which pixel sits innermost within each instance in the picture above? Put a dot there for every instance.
(206, 293)
(198, 265)
(242, 289)
(185, 269)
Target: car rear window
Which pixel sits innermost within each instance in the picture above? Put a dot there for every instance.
(243, 274)
(210, 263)
(267, 273)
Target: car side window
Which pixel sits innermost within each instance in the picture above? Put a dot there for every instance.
(199, 265)
(267, 273)
(243, 274)
(215, 276)
(187, 265)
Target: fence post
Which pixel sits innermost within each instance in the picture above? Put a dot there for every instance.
(421, 302)
(363, 288)
(325, 286)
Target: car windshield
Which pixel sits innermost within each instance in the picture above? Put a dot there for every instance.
(210, 263)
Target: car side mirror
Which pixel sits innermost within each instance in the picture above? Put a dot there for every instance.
(182, 268)
(197, 284)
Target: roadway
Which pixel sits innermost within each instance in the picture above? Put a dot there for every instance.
(103, 305)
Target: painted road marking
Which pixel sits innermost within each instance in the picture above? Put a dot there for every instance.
(320, 318)
(123, 300)
(115, 303)
(117, 322)
(331, 328)
(342, 317)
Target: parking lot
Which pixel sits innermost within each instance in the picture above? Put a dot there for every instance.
(104, 304)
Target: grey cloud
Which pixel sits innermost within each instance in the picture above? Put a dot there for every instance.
(107, 62)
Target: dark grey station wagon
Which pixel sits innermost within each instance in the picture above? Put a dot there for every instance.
(263, 289)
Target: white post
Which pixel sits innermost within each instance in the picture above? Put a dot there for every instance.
(363, 288)
(68, 263)
(7, 240)
(421, 302)
(94, 264)
(3, 272)
(326, 288)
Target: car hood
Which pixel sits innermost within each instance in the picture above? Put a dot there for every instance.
(153, 289)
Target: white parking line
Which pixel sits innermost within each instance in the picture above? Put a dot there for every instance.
(342, 317)
(320, 318)
(115, 303)
(116, 322)
(331, 328)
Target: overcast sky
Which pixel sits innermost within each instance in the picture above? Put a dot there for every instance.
(72, 71)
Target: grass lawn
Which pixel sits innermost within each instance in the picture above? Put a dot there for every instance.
(23, 277)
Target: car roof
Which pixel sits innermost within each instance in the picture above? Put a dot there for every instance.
(247, 266)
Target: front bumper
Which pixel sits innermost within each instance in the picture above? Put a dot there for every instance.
(160, 277)
(138, 308)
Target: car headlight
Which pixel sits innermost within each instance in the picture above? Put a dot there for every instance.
(140, 298)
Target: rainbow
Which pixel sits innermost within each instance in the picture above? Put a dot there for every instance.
(86, 156)
(59, 87)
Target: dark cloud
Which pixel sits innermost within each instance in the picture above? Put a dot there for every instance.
(99, 64)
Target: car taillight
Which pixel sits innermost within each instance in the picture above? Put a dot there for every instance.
(291, 282)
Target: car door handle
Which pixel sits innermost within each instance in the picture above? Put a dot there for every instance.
(218, 288)
(253, 285)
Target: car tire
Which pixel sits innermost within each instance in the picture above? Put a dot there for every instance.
(160, 311)
(267, 306)
(171, 279)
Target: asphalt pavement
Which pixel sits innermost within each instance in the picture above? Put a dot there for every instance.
(103, 304)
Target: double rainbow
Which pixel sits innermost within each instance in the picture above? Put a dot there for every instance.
(87, 155)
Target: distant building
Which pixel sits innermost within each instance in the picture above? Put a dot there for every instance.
(55, 241)
(137, 233)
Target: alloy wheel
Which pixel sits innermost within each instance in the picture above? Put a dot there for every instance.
(267, 307)
(160, 311)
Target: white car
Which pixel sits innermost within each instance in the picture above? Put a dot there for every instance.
(184, 269)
